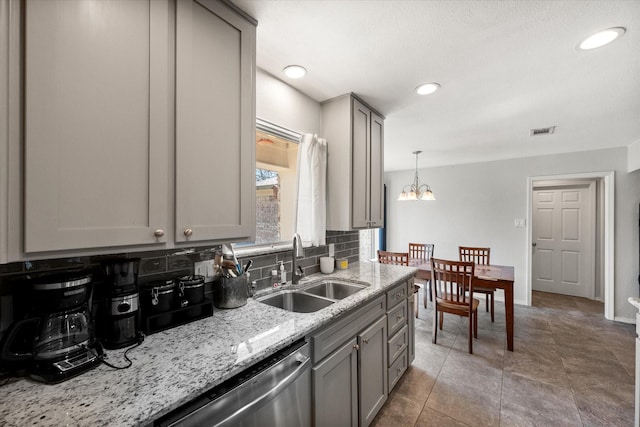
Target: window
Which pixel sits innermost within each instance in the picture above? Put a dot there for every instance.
(276, 162)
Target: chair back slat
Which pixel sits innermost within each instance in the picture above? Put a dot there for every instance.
(395, 258)
(480, 256)
(421, 250)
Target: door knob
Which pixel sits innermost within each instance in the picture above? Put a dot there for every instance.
(158, 233)
(188, 232)
(534, 244)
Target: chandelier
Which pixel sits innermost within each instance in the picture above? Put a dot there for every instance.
(416, 191)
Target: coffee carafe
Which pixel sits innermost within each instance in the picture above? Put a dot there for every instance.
(56, 340)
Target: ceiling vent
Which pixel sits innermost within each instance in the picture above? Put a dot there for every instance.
(542, 131)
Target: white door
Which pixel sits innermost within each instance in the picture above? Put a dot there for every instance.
(563, 240)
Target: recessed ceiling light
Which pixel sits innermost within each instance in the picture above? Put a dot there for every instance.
(602, 38)
(427, 88)
(294, 71)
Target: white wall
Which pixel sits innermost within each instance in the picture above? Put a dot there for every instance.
(283, 105)
(634, 156)
(477, 203)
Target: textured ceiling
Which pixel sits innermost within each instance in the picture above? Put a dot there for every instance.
(505, 67)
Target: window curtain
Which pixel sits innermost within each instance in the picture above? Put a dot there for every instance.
(311, 200)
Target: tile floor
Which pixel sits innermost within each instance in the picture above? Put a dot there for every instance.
(570, 367)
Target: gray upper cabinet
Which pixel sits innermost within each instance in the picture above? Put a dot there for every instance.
(113, 90)
(355, 134)
(95, 113)
(215, 123)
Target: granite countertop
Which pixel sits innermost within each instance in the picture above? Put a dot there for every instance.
(172, 367)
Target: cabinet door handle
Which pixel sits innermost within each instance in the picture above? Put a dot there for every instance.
(398, 317)
(158, 233)
(188, 232)
(356, 346)
(398, 296)
(365, 341)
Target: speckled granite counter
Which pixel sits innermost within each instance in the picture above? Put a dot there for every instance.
(174, 366)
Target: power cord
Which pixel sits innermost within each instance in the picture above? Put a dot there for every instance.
(129, 362)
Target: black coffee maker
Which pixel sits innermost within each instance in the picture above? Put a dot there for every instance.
(122, 304)
(56, 340)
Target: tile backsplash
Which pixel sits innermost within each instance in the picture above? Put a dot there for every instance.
(167, 263)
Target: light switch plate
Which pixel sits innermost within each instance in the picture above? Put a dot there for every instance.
(520, 222)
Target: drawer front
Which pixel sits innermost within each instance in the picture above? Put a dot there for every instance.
(396, 370)
(397, 318)
(327, 339)
(396, 295)
(397, 344)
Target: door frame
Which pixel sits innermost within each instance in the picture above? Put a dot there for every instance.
(608, 178)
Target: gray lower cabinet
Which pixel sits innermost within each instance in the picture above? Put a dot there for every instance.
(350, 381)
(372, 380)
(400, 318)
(335, 388)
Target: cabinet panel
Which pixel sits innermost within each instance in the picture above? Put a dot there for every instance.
(335, 388)
(397, 317)
(372, 373)
(355, 164)
(397, 369)
(396, 295)
(215, 123)
(96, 107)
(376, 190)
(360, 167)
(397, 344)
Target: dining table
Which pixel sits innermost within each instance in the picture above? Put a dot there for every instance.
(485, 276)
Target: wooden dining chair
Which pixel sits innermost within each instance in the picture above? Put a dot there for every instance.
(397, 258)
(423, 251)
(480, 256)
(449, 281)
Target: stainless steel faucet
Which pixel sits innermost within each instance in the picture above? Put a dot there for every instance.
(296, 271)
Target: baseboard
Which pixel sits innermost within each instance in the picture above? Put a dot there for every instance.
(624, 320)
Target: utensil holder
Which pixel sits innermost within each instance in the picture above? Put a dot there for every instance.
(230, 292)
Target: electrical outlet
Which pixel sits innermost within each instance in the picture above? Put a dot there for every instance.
(204, 268)
(332, 249)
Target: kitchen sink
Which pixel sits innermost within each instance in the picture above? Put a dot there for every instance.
(296, 301)
(312, 296)
(333, 289)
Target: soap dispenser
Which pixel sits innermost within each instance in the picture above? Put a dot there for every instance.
(283, 274)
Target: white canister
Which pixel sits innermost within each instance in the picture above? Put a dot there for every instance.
(326, 264)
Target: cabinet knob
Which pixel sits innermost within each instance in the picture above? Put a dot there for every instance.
(158, 233)
(398, 317)
(356, 346)
(188, 232)
(365, 341)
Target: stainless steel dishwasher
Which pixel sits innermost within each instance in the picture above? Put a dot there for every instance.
(274, 392)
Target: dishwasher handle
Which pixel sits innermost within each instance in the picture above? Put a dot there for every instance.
(286, 381)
